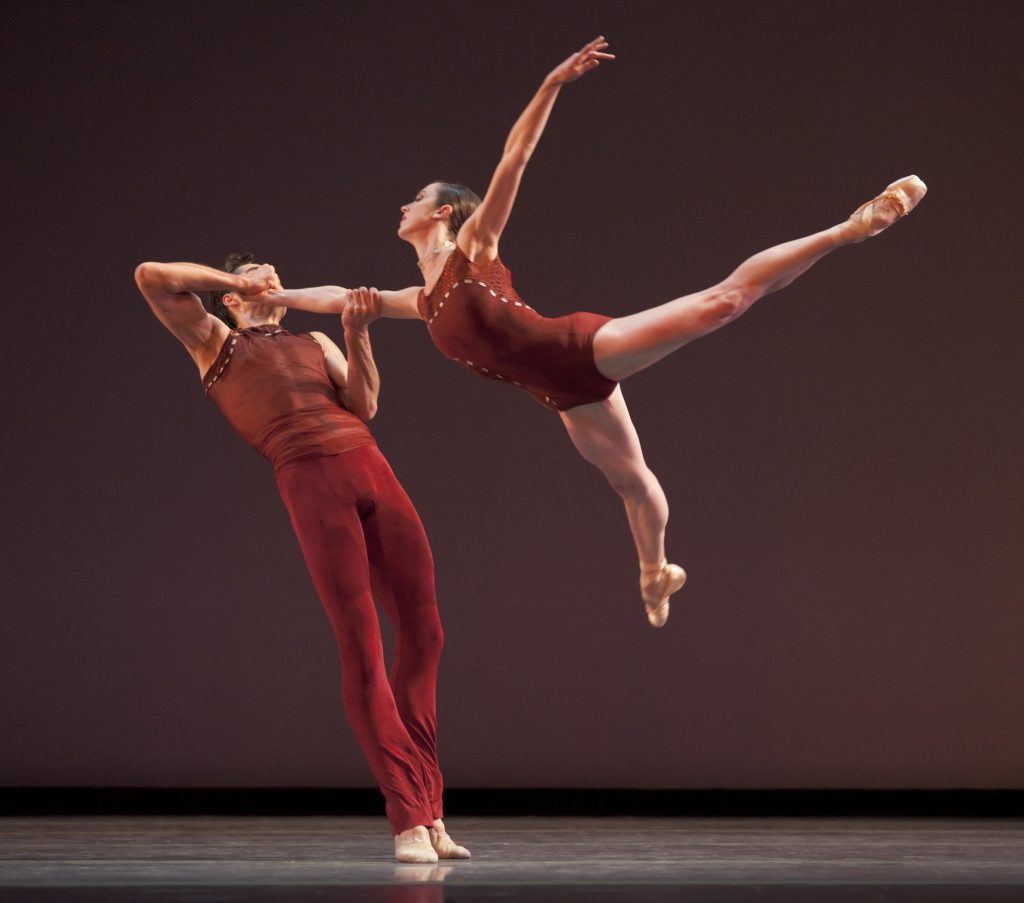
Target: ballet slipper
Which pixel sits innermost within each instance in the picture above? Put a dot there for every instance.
(879, 213)
(657, 583)
(446, 848)
(416, 849)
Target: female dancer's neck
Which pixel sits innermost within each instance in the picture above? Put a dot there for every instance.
(431, 246)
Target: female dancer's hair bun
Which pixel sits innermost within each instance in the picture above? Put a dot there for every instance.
(463, 202)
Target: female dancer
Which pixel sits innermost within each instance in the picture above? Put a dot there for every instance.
(573, 364)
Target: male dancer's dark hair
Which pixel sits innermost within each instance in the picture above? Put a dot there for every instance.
(231, 263)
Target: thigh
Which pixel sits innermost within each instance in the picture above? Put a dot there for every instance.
(627, 345)
(400, 560)
(604, 435)
(325, 510)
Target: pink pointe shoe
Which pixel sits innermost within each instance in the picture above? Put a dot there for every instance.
(417, 849)
(446, 848)
(657, 583)
(879, 213)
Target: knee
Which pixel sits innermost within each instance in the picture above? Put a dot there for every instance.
(427, 637)
(631, 484)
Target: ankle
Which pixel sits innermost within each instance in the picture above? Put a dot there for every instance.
(845, 233)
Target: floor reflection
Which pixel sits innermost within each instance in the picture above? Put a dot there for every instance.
(423, 887)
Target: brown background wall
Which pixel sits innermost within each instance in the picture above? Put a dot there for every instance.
(843, 464)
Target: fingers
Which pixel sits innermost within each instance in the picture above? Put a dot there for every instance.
(262, 279)
(591, 54)
(373, 303)
(362, 308)
(595, 48)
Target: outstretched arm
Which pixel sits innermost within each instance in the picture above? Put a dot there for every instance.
(170, 289)
(333, 299)
(479, 235)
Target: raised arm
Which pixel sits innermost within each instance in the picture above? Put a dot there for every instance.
(356, 379)
(479, 235)
(170, 290)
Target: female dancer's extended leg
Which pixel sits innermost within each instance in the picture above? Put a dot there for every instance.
(626, 345)
(603, 432)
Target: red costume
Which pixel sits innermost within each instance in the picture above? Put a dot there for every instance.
(477, 319)
(361, 538)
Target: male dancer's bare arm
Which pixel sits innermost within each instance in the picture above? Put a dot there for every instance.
(363, 379)
(169, 289)
(356, 379)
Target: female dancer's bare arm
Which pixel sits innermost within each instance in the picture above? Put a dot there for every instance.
(478, 237)
(333, 299)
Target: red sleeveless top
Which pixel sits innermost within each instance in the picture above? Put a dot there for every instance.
(273, 388)
(477, 319)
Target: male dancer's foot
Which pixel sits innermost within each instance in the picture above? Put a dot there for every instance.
(879, 213)
(657, 583)
(413, 845)
(444, 846)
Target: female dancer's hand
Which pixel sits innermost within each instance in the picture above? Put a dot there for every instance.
(362, 308)
(589, 57)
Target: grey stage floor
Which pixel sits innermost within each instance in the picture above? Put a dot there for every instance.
(536, 859)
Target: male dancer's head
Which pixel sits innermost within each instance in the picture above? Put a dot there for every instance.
(239, 311)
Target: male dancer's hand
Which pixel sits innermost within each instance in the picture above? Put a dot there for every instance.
(258, 281)
(361, 309)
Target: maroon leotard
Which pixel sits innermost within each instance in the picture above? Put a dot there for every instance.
(477, 319)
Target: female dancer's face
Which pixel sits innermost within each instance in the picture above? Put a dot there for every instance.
(417, 215)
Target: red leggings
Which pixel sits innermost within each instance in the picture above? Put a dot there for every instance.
(362, 539)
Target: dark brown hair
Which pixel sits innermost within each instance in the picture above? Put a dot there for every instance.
(463, 201)
(232, 262)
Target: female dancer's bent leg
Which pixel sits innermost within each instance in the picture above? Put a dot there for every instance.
(604, 435)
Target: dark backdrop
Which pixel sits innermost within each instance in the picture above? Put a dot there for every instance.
(843, 464)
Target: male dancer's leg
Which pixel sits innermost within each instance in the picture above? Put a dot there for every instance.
(327, 499)
(402, 576)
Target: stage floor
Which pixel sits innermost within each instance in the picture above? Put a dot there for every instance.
(214, 858)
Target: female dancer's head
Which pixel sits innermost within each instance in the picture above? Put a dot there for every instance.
(441, 208)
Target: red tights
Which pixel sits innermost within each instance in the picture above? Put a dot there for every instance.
(362, 539)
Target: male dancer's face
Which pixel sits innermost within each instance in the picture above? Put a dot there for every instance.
(255, 306)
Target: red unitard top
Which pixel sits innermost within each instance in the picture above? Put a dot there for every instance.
(476, 319)
(273, 388)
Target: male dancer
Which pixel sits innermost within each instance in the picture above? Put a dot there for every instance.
(301, 404)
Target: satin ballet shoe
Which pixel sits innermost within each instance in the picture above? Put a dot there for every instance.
(657, 583)
(418, 849)
(446, 848)
(879, 213)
